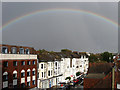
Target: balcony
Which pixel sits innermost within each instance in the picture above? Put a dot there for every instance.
(17, 56)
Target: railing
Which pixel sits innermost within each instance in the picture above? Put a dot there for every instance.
(17, 56)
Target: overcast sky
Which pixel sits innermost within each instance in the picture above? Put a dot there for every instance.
(57, 30)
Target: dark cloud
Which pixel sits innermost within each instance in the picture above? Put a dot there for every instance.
(58, 30)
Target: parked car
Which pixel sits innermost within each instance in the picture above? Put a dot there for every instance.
(75, 80)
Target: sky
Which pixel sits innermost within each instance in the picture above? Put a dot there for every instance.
(61, 28)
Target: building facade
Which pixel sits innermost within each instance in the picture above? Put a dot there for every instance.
(48, 71)
(19, 66)
(75, 62)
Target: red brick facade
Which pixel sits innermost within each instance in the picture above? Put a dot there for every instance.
(19, 68)
(90, 82)
(10, 68)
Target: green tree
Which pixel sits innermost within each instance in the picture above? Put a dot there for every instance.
(106, 56)
(93, 58)
(65, 50)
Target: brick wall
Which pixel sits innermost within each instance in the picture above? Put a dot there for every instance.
(18, 68)
(90, 82)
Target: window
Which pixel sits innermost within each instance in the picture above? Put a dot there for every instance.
(14, 74)
(33, 82)
(38, 74)
(23, 62)
(86, 56)
(21, 50)
(5, 64)
(28, 72)
(4, 50)
(23, 73)
(42, 74)
(28, 62)
(5, 76)
(27, 51)
(49, 73)
(14, 63)
(83, 56)
(33, 62)
(33, 72)
(80, 56)
(56, 64)
(41, 66)
(13, 50)
(77, 66)
(23, 85)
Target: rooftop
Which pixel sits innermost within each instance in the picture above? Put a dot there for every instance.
(95, 75)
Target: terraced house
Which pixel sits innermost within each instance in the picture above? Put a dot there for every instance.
(74, 62)
(55, 67)
(48, 70)
(18, 66)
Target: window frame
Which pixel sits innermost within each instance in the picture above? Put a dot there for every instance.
(41, 65)
(6, 51)
(49, 73)
(22, 51)
(15, 63)
(26, 51)
(13, 49)
(28, 62)
(33, 82)
(33, 62)
(5, 63)
(22, 63)
(22, 74)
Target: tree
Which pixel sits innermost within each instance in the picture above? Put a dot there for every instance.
(93, 58)
(65, 50)
(106, 56)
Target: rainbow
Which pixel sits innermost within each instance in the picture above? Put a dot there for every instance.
(89, 13)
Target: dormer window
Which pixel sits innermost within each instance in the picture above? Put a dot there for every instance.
(83, 56)
(80, 56)
(4, 50)
(13, 50)
(21, 50)
(27, 51)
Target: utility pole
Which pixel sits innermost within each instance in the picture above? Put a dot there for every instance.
(113, 77)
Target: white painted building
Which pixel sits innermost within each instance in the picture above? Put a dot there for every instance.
(48, 72)
(73, 64)
(52, 71)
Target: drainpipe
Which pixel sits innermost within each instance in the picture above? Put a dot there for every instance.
(113, 77)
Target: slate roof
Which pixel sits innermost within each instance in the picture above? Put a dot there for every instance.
(95, 75)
